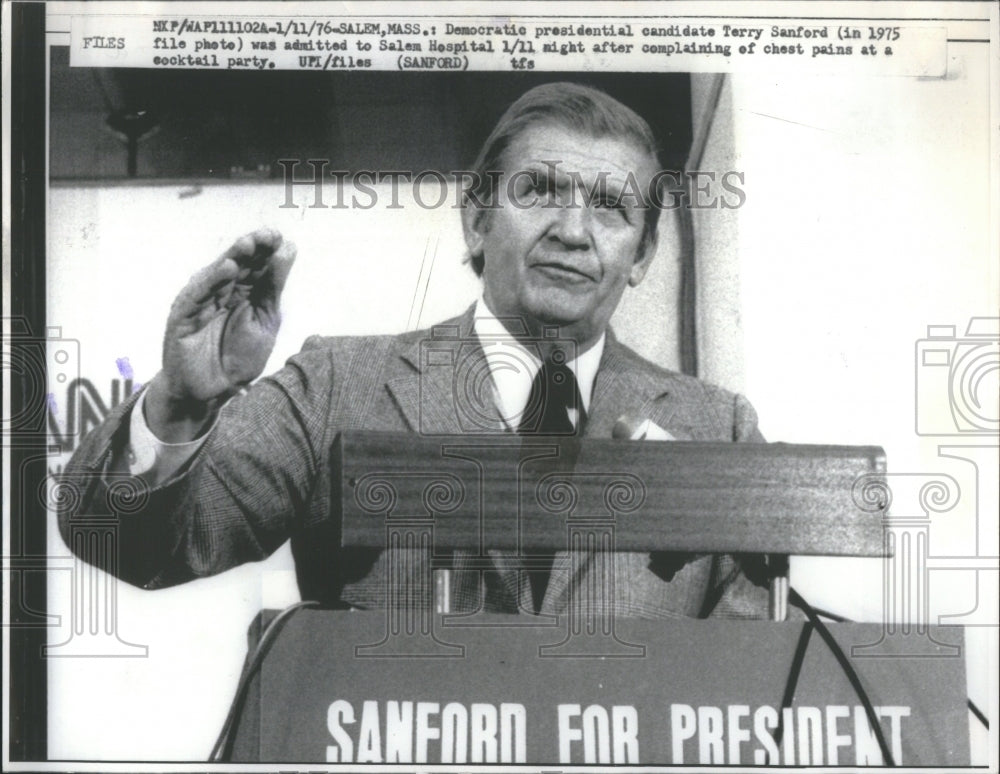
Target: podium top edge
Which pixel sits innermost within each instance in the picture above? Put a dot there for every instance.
(777, 448)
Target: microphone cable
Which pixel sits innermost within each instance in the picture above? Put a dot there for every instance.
(973, 707)
(223, 748)
(793, 679)
(852, 676)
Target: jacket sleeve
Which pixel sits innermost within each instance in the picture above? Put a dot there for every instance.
(236, 501)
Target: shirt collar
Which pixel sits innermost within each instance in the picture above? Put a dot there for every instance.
(513, 367)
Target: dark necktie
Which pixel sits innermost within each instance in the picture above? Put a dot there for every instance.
(553, 393)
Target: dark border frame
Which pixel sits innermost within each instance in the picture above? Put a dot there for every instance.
(28, 696)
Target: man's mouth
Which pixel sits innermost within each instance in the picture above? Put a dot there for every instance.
(563, 272)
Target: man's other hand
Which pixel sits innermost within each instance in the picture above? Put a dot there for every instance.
(220, 333)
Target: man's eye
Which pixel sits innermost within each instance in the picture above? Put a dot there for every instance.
(545, 186)
(612, 205)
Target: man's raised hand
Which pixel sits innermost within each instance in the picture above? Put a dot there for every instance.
(220, 332)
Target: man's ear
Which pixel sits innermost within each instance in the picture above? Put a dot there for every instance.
(642, 261)
(474, 226)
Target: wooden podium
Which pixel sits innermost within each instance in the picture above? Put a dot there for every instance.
(419, 684)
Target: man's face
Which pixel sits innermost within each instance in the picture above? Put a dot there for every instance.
(553, 254)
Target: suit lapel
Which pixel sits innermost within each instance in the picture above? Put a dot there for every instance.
(446, 389)
(426, 402)
(622, 389)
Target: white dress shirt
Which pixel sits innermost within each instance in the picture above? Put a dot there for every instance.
(513, 366)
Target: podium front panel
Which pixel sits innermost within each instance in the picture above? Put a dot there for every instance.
(336, 688)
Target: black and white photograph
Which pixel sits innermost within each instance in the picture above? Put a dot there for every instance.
(446, 386)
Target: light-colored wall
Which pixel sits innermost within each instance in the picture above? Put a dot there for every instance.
(717, 245)
(867, 220)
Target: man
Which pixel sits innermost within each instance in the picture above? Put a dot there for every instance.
(556, 236)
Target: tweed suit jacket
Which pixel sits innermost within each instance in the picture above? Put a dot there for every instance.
(262, 477)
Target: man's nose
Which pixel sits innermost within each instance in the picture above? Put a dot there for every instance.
(572, 225)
